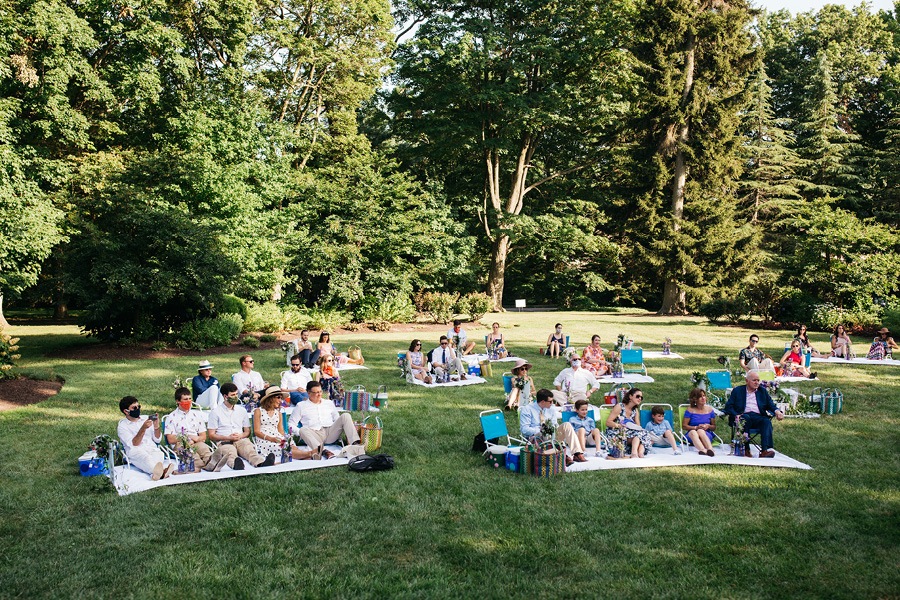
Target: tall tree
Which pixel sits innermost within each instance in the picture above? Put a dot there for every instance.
(693, 56)
(528, 90)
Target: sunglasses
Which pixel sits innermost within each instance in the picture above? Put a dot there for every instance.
(295, 364)
(329, 361)
(639, 396)
(755, 341)
(134, 407)
(250, 361)
(444, 343)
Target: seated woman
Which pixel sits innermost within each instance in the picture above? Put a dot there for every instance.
(753, 359)
(882, 345)
(556, 343)
(326, 348)
(626, 416)
(841, 346)
(803, 338)
(329, 377)
(496, 344)
(268, 428)
(417, 363)
(522, 385)
(792, 362)
(593, 359)
(699, 422)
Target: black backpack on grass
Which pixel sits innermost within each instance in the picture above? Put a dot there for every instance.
(365, 463)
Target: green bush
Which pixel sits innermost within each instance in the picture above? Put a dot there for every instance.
(439, 305)
(476, 305)
(890, 318)
(206, 333)
(231, 304)
(730, 309)
(250, 342)
(827, 316)
(9, 354)
(268, 337)
(267, 317)
(326, 319)
(794, 306)
(393, 308)
(294, 317)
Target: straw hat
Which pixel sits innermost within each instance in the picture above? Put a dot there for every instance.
(884, 330)
(272, 390)
(522, 363)
(204, 364)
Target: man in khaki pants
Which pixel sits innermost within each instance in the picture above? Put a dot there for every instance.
(229, 426)
(320, 422)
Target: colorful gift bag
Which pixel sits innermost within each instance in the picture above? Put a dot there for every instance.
(550, 460)
(832, 402)
(370, 434)
(357, 399)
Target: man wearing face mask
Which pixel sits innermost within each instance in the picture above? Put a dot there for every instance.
(192, 424)
(140, 436)
(574, 384)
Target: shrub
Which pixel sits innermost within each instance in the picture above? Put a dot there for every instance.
(730, 309)
(158, 345)
(267, 317)
(891, 317)
(231, 304)
(439, 305)
(393, 308)
(476, 305)
(268, 337)
(826, 316)
(794, 306)
(9, 354)
(326, 319)
(205, 333)
(250, 342)
(293, 317)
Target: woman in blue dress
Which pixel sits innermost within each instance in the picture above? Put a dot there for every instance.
(699, 422)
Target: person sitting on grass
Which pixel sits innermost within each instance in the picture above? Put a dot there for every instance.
(882, 345)
(574, 383)
(792, 362)
(753, 359)
(416, 363)
(556, 342)
(532, 416)
(308, 356)
(139, 436)
(203, 380)
(459, 339)
(326, 348)
(294, 381)
(229, 427)
(841, 345)
(445, 360)
(496, 343)
(329, 377)
(321, 422)
(700, 422)
(660, 430)
(190, 423)
(755, 406)
(585, 426)
(626, 416)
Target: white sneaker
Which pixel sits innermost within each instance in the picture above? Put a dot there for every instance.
(676, 452)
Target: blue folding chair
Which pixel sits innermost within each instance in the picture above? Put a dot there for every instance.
(567, 414)
(633, 360)
(646, 416)
(719, 380)
(493, 425)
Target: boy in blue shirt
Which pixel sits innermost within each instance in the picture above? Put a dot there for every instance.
(584, 425)
(660, 430)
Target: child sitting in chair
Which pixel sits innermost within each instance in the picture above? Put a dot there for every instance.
(585, 426)
(660, 430)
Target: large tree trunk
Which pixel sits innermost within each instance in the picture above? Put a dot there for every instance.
(497, 274)
(3, 321)
(61, 309)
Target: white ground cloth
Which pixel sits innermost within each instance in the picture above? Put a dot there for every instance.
(663, 457)
(469, 380)
(856, 361)
(659, 354)
(628, 378)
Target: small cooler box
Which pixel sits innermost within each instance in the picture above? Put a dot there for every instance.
(89, 465)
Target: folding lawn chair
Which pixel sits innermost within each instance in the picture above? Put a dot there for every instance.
(493, 425)
(719, 380)
(567, 414)
(717, 441)
(669, 416)
(633, 360)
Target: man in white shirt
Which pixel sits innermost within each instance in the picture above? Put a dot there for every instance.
(229, 426)
(192, 424)
(321, 422)
(574, 383)
(457, 333)
(139, 436)
(294, 381)
(532, 416)
(445, 360)
(249, 382)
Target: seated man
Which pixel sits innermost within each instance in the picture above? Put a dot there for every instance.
(203, 380)
(294, 381)
(445, 361)
(753, 359)
(320, 422)
(249, 383)
(189, 422)
(531, 417)
(459, 339)
(140, 445)
(755, 406)
(308, 355)
(229, 426)
(574, 384)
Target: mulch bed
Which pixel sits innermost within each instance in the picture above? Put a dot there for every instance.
(22, 392)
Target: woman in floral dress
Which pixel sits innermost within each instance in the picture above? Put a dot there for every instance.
(593, 359)
(626, 418)
(418, 367)
(267, 426)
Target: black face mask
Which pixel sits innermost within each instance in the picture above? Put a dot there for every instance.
(134, 413)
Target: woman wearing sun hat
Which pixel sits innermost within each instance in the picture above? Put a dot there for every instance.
(522, 385)
(882, 345)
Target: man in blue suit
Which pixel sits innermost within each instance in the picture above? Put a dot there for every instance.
(755, 406)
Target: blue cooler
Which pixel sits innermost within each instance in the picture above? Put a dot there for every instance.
(475, 370)
(512, 459)
(89, 465)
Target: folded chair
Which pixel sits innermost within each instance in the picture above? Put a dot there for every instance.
(633, 360)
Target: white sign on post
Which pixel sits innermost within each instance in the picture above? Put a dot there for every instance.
(520, 304)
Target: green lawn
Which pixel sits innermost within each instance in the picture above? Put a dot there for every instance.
(443, 524)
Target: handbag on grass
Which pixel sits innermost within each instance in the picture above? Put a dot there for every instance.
(550, 459)
(357, 399)
(354, 352)
(370, 434)
(486, 370)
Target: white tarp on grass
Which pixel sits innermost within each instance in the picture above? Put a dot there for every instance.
(469, 380)
(659, 354)
(663, 457)
(856, 361)
(627, 378)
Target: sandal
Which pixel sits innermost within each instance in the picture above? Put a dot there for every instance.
(326, 454)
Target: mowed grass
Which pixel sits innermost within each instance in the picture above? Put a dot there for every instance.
(443, 524)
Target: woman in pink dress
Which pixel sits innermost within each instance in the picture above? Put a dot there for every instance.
(593, 358)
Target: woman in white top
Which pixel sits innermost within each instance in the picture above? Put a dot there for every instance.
(418, 366)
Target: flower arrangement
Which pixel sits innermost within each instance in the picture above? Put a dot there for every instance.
(667, 346)
(740, 441)
(8, 355)
(287, 346)
(102, 445)
(181, 382)
(617, 442)
(700, 380)
(184, 450)
(519, 383)
(548, 429)
(621, 340)
(569, 352)
(285, 445)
